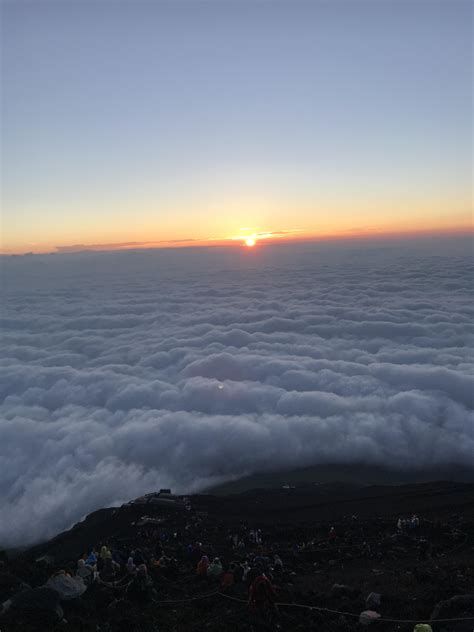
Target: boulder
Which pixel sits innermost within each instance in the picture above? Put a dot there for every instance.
(45, 560)
(373, 601)
(457, 606)
(344, 591)
(66, 586)
(10, 585)
(38, 602)
(368, 616)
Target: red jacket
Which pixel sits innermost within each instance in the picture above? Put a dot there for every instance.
(261, 594)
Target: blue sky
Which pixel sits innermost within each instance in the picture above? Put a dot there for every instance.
(150, 120)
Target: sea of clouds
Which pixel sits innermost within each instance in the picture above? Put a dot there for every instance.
(126, 372)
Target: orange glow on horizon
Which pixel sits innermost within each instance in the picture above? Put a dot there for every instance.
(247, 238)
(231, 218)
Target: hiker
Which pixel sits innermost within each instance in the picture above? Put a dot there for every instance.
(195, 552)
(105, 553)
(215, 570)
(172, 568)
(85, 572)
(277, 563)
(117, 556)
(163, 562)
(110, 570)
(141, 587)
(227, 579)
(91, 559)
(238, 572)
(254, 571)
(138, 558)
(332, 534)
(131, 567)
(202, 566)
(262, 606)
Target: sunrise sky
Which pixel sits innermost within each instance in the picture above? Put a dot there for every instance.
(127, 124)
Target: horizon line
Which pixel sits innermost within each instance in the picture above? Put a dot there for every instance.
(273, 238)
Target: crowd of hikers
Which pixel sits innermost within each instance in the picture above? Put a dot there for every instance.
(137, 572)
(251, 568)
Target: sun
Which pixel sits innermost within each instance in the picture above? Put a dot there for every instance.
(250, 241)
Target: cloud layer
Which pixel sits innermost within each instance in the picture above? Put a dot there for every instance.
(125, 372)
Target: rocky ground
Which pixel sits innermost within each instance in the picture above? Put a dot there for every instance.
(421, 573)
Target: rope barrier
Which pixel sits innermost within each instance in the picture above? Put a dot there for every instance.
(159, 603)
(308, 607)
(311, 608)
(351, 614)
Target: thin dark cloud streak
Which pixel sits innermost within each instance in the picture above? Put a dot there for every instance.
(125, 245)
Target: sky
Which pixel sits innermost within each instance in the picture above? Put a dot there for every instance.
(191, 123)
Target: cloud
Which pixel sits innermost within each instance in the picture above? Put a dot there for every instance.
(126, 372)
(124, 245)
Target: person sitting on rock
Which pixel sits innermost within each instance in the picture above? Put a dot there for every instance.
(91, 559)
(118, 557)
(164, 562)
(131, 567)
(277, 564)
(110, 570)
(105, 553)
(195, 552)
(202, 566)
(172, 569)
(215, 570)
(253, 572)
(85, 571)
(141, 587)
(238, 572)
(227, 578)
(165, 566)
(246, 568)
(138, 557)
